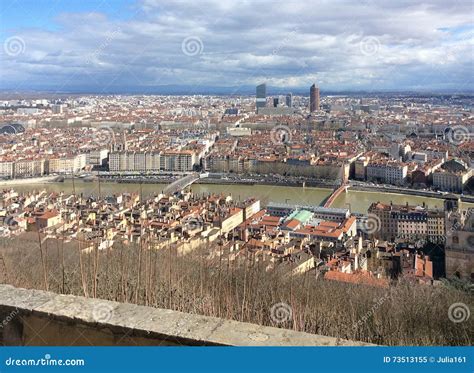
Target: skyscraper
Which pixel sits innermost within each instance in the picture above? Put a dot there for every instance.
(313, 98)
(289, 100)
(276, 101)
(261, 96)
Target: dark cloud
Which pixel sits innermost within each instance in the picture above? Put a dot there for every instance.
(339, 44)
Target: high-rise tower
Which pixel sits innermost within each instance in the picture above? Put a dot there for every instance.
(261, 96)
(313, 98)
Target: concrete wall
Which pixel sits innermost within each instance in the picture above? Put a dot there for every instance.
(39, 318)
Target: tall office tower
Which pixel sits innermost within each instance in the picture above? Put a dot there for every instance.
(275, 101)
(261, 96)
(313, 98)
(289, 100)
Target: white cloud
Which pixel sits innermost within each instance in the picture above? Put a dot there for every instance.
(288, 43)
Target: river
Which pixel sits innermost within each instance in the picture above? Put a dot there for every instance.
(358, 201)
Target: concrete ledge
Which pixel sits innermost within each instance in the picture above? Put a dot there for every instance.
(34, 317)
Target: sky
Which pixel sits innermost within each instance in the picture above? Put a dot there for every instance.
(125, 46)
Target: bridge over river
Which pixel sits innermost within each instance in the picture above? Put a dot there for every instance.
(183, 182)
(328, 201)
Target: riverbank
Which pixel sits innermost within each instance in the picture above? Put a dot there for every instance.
(411, 192)
(289, 182)
(225, 181)
(33, 180)
(235, 180)
(357, 200)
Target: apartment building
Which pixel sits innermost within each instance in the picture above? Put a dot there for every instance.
(29, 168)
(436, 226)
(96, 157)
(179, 160)
(67, 164)
(217, 163)
(410, 223)
(389, 172)
(118, 161)
(451, 181)
(6, 170)
(182, 160)
(153, 161)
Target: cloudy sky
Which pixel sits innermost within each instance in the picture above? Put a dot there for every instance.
(125, 45)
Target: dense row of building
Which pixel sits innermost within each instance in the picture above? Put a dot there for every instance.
(292, 238)
(408, 223)
(406, 141)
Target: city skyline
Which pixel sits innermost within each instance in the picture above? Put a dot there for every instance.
(237, 173)
(148, 47)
